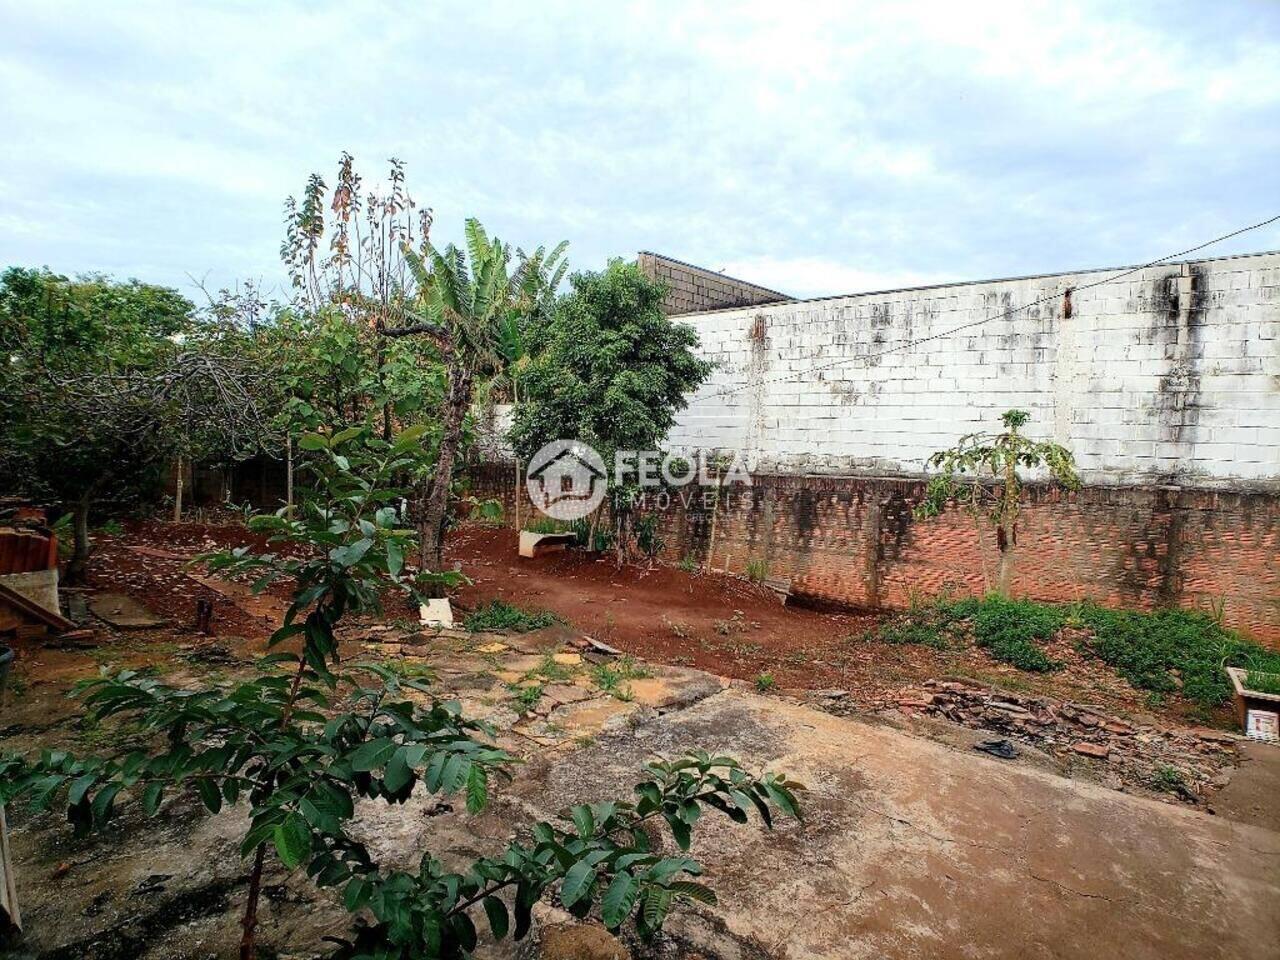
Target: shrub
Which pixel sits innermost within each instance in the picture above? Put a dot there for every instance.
(757, 570)
(500, 615)
(931, 624)
(300, 754)
(764, 682)
(1012, 629)
(1153, 650)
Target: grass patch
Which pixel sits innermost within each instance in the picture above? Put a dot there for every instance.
(1260, 682)
(765, 682)
(500, 615)
(548, 669)
(1170, 650)
(613, 678)
(1012, 630)
(546, 525)
(1163, 652)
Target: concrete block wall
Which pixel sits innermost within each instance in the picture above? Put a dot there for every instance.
(692, 288)
(1165, 384)
(1170, 375)
(852, 541)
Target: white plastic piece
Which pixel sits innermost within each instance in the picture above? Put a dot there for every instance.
(436, 613)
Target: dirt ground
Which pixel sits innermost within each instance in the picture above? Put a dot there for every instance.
(724, 625)
(909, 839)
(911, 836)
(733, 627)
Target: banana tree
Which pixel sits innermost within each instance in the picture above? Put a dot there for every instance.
(473, 308)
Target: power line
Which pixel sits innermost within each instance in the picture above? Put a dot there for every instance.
(998, 316)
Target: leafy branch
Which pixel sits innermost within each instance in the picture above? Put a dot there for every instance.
(981, 473)
(306, 738)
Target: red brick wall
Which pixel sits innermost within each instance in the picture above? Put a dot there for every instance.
(852, 540)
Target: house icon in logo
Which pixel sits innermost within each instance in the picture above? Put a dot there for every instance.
(566, 480)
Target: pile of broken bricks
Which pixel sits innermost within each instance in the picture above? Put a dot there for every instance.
(1184, 762)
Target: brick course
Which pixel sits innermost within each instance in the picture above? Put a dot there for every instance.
(852, 541)
(691, 288)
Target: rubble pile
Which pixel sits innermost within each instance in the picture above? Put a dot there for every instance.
(1181, 761)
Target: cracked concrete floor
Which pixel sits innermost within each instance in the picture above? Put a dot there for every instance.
(912, 849)
(909, 848)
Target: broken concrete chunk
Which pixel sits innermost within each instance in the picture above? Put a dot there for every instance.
(1099, 750)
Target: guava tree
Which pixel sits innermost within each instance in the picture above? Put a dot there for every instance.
(608, 368)
(311, 735)
(981, 473)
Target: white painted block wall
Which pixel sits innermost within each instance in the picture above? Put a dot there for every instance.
(1169, 375)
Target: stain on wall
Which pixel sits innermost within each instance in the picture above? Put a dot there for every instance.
(853, 541)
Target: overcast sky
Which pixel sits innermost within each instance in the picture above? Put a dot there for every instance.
(814, 148)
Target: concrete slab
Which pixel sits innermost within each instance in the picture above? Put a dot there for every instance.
(1252, 795)
(911, 849)
(123, 612)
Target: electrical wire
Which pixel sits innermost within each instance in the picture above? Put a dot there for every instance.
(977, 323)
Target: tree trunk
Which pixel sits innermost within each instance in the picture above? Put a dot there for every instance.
(435, 506)
(517, 492)
(177, 492)
(78, 566)
(288, 477)
(1004, 572)
(249, 922)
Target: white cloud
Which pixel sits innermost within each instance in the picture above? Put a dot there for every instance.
(819, 148)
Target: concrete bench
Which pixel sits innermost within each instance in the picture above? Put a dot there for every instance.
(535, 544)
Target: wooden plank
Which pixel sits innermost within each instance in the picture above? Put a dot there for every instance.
(10, 915)
(33, 611)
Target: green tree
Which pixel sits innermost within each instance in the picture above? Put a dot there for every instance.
(475, 310)
(459, 316)
(105, 383)
(301, 744)
(981, 473)
(609, 368)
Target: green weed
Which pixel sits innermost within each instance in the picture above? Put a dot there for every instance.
(1171, 649)
(613, 678)
(500, 615)
(527, 697)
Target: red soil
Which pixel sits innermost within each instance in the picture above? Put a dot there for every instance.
(716, 623)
